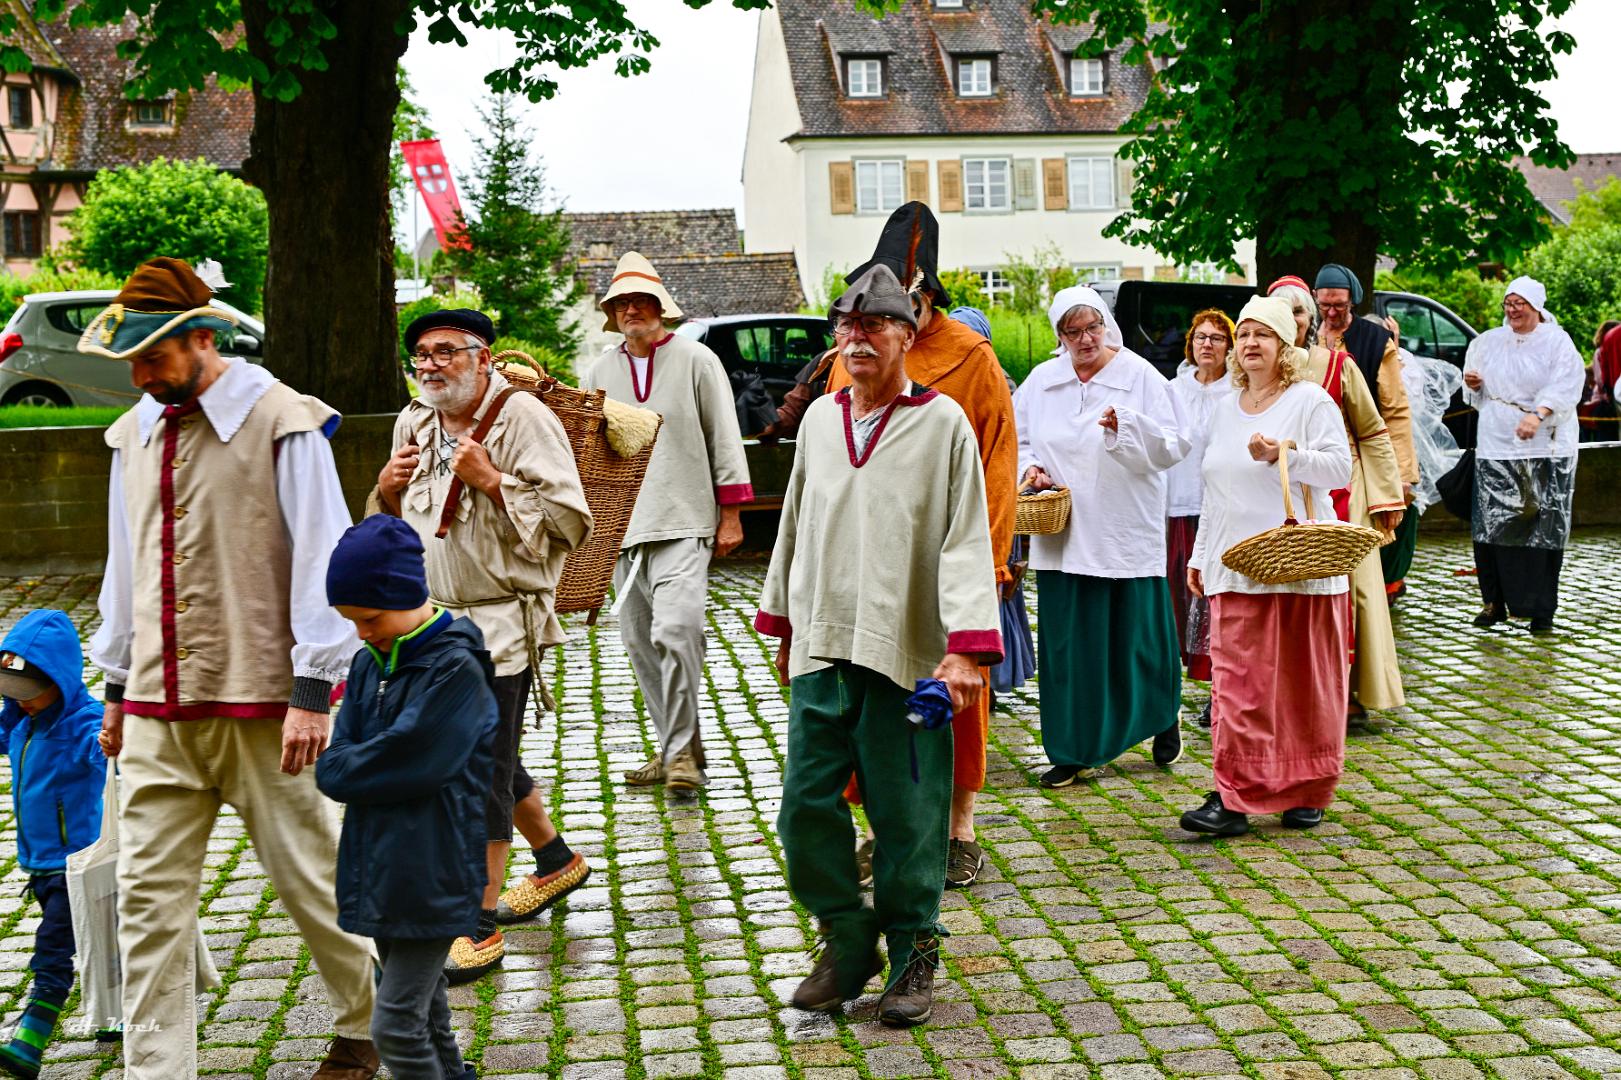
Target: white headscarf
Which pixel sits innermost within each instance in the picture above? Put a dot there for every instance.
(1532, 292)
(1085, 297)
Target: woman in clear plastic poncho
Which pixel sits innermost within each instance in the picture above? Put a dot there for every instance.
(1525, 379)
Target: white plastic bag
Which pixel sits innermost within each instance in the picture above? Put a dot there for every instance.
(92, 881)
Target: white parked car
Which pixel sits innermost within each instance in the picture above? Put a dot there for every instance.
(40, 363)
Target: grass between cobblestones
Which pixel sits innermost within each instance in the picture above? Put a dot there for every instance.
(1456, 916)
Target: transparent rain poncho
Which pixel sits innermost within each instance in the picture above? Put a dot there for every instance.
(1524, 502)
(1430, 385)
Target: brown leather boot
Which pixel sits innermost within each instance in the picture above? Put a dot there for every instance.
(910, 1001)
(349, 1059)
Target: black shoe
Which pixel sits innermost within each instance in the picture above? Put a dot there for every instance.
(964, 860)
(1215, 819)
(910, 1001)
(1542, 626)
(1204, 715)
(1168, 746)
(1302, 817)
(819, 992)
(1065, 775)
(1491, 615)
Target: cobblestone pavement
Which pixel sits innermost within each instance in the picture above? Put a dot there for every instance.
(1455, 917)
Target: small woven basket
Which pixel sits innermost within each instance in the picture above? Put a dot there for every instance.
(1040, 513)
(611, 482)
(1296, 550)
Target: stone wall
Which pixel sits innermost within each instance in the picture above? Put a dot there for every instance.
(54, 491)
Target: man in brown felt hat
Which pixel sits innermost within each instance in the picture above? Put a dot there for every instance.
(220, 653)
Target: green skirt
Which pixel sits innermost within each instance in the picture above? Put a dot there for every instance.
(1109, 670)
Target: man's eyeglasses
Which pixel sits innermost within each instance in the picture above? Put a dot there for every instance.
(1325, 308)
(845, 325)
(620, 303)
(441, 355)
(1075, 333)
(1210, 339)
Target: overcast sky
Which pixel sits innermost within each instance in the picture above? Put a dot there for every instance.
(688, 115)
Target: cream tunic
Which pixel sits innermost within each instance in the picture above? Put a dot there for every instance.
(495, 561)
(884, 559)
(698, 464)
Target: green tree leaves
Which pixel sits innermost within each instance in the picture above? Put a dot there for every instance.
(186, 209)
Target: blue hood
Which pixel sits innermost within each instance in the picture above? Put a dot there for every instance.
(48, 639)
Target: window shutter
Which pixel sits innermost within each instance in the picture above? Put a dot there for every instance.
(950, 185)
(1122, 184)
(917, 181)
(841, 186)
(1055, 178)
(1024, 184)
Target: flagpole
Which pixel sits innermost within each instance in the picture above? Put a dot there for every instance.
(416, 239)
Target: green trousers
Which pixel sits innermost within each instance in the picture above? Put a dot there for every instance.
(842, 719)
(1397, 556)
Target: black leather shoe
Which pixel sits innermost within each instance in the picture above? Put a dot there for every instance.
(1542, 626)
(910, 1001)
(1214, 819)
(1491, 615)
(819, 992)
(1204, 716)
(1168, 746)
(1302, 817)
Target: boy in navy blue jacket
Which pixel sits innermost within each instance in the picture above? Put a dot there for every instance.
(412, 756)
(50, 723)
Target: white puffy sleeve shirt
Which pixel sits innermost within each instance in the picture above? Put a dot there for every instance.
(1243, 497)
(1116, 479)
(1184, 487)
(1538, 370)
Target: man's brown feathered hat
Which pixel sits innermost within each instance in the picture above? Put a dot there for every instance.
(163, 297)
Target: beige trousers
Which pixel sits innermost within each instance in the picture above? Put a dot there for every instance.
(662, 588)
(173, 779)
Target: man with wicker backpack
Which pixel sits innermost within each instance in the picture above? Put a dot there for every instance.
(486, 477)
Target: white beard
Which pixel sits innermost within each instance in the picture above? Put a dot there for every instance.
(454, 395)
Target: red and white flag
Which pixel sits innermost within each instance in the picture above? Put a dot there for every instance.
(426, 160)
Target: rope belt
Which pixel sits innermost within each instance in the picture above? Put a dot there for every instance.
(529, 605)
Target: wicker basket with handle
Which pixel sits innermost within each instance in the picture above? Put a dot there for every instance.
(1039, 513)
(611, 482)
(1299, 550)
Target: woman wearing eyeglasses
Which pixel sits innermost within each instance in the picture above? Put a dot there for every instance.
(1525, 379)
(1201, 381)
(1099, 420)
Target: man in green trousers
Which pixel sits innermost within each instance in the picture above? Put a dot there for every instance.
(882, 567)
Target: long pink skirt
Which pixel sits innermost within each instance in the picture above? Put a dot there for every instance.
(1277, 718)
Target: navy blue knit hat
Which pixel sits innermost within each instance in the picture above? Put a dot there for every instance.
(378, 564)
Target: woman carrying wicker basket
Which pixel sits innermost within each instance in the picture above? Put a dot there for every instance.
(1278, 651)
(1099, 420)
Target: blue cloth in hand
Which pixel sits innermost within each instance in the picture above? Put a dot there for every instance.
(929, 707)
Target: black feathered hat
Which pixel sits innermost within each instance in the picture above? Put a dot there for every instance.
(909, 246)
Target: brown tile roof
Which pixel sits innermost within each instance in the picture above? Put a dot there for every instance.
(655, 233)
(1556, 187)
(918, 42)
(29, 39)
(93, 130)
(707, 285)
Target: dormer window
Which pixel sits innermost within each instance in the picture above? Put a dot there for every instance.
(950, 5)
(864, 77)
(147, 114)
(600, 249)
(1085, 77)
(975, 76)
(22, 106)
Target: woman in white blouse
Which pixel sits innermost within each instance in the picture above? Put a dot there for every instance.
(1279, 651)
(1099, 420)
(1525, 379)
(1201, 382)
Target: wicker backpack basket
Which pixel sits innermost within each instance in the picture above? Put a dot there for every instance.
(611, 482)
(1296, 550)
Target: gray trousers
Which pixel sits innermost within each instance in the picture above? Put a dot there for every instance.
(410, 1024)
(662, 587)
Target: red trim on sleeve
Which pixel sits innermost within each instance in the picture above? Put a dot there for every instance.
(986, 644)
(779, 626)
(206, 710)
(733, 494)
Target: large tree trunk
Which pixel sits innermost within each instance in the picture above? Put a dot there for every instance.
(1318, 88)
(322, 162)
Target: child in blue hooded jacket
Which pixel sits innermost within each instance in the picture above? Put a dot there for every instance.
(50, 724)
(412, 754)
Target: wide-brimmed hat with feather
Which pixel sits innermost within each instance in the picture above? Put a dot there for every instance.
(163, 297)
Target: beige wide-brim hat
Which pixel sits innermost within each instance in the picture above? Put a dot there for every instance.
(635, 274)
